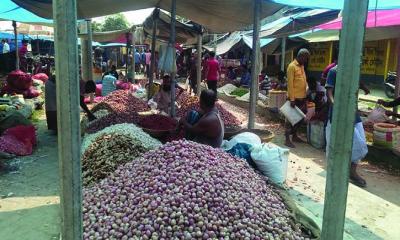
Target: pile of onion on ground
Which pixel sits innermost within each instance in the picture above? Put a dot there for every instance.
(104, 151)
(185, 190)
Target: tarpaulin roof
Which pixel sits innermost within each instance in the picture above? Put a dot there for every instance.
(338, 4)
(380, 18)
(235, 38)
(297, 22)
(371, 34)
(118, 36)
(185, 33)
(9, 11)
(217, 16)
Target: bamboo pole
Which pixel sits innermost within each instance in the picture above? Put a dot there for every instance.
(89, 50)
(347, 84)
(397, 84)
(153, 53)
(14, 24)
(255, 63)
(283, 50)
(387, 58)
(133, 60)
(66, 61)
(198, 63)
(172, 44)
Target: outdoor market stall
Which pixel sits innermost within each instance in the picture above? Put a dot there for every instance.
(65, 14)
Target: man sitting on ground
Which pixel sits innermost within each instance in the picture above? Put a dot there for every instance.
(207, 126)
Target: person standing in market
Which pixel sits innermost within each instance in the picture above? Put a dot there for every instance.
(360, 148)
(148, 62)
(213, 72)
(5, 55)
(297, 93)
(205, 127)
(163, 97)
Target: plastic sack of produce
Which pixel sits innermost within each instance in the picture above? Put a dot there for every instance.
(271, 161)
(316, 134)
(122, 85)
(41, 76)
(26, 134)
(11, 119)
(31, 93)
(18, 140)
(246, 137)
(19, 80)
(12, 145)
(99, 88)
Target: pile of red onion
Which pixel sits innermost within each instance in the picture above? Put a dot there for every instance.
(158, 122)
(121, 101)
(185, 190)
(188, 103)
(111, 119)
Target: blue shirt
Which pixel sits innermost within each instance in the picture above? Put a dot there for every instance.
(137, 58)
(108, 85)
(330, 83)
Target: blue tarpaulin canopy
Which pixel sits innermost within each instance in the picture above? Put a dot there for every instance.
(9, 11)
(338, 4)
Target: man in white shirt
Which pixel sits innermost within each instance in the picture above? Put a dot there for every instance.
(4, 57)
(6, 47)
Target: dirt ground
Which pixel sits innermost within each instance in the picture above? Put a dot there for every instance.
(29, 203)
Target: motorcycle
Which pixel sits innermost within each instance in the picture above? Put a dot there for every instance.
(390, 83)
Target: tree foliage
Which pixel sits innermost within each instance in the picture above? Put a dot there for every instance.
(115, 22)
(96, 26)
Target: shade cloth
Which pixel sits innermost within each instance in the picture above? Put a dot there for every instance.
(217, 16)
(338, 4)
(380, 18)
(10, 11)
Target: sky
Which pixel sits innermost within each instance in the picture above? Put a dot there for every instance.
(133, 17)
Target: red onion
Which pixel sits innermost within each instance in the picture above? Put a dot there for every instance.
(187, 190)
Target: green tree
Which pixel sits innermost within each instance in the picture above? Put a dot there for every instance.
(115, 22)
(96, 26)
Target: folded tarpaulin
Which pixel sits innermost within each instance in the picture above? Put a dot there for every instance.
(9, 11)
(217, 16)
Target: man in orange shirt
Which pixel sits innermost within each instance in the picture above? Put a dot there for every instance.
(297, 92)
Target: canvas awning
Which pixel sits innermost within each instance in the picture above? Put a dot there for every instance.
(297, 22)
(217, 16)
(9, 11)
(338, 4)
(185, 33)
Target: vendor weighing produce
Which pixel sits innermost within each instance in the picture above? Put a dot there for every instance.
(163, 97)
(205, 126)
(393, 103)
(51, 102)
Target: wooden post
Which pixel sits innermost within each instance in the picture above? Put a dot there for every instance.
(387, 58)
(89, 50)
(133, 61)
(330, 52)
(84, 59)
(283, 50)
(255, 61)
(14, 24)
(172, 44)
(215, 44)
(198, 63)
(66, 52)
(341, 139)
(127, 54)
(397, 85)
(153, 53)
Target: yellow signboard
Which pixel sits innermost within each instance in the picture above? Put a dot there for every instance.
(320, 56)
(373, 60)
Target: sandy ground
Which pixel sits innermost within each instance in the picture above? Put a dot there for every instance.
(29, 204)
(29, 208)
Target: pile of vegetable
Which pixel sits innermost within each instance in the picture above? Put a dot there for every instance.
(185, 190)
(158, 122)
(111, 119)
(104, 151)
(121, 101)
(188, 103)
(239, 91)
